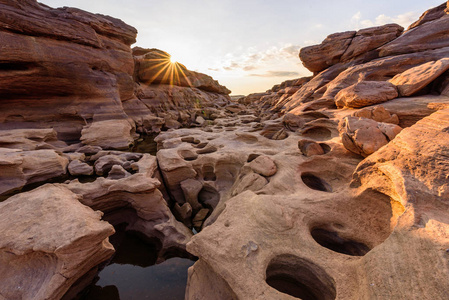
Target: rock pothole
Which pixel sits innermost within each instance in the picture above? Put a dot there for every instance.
(300, 278)
(315, 183)
(333, 241)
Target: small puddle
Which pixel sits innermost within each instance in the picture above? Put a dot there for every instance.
(146, 144)
(133, 273)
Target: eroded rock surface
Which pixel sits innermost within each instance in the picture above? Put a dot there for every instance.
(49, 240)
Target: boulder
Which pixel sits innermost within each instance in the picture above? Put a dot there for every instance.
(49, 240)
(366, 136)
(263, 165)
(366, 93)
(78, 168)
(319, 57)
(20, 168)
(377, 113)
(415, 79)
(371, 38)
(108, 134)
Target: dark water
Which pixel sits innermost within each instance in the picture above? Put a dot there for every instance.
(133, 275)
(146, 145)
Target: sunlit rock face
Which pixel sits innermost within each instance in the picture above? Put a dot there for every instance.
(74, 71)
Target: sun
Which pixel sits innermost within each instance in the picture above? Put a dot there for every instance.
(173, 60)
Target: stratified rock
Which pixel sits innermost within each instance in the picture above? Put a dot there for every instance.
(30, 139)
(428, 36)
(377, 113)
(77, 168)
(415, 79)
(366, 136)
(371, 38)
(413, 168)
(430, 15)
(48, 241)
(328, 53)
(110, 134)
(366, 93)
(136, 200)
(382, 69)
(19, 168)
(153, 66)
(263, 165)
(69, 64)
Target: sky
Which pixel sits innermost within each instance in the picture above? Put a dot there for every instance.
(247, 45)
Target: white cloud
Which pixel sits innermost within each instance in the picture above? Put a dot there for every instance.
(357, 22)
(252, 59)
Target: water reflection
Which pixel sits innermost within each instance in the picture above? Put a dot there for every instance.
(132, 273)
(146, 144)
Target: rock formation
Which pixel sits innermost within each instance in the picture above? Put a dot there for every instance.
(332, 186)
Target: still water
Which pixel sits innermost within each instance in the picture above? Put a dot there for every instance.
(132, 274)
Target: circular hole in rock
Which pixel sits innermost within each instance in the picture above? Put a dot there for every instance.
(300, 278)
(326, 147)
(319, 133)
(188, 155)
(315, 183)
(333, 241)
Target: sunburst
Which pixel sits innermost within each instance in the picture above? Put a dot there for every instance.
(169, 71)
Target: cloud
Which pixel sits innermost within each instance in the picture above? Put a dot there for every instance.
(252, 59)
(214, 69)
(357, 22)
(276, 74)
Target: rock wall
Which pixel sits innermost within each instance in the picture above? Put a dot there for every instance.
(68, 69)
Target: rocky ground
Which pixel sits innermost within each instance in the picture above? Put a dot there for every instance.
(333, 186)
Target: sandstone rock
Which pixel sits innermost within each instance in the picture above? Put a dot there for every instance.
(200, 217)
(105, 163)
(77, 65)
(77, 168)
(310, 148)
(412, 168)
(200, 120)
(264, 166)
(110, 134)
(414, 79)
(136, 200)
(377, 113)
(371, 38)
(191, 188)
(328, 53)
(382, 69)
(366, 136)
(89, 149)
(118, 172)
(430, 15)
(20, 168)
(153, 66)
(49, 240)
(366, 93)
(251, 182)
(30, 139)
(430, 35)
(184, 212)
